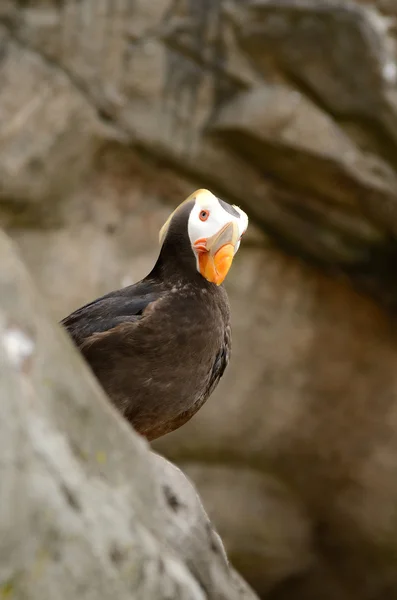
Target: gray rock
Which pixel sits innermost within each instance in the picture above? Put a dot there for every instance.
(338, 49)
(286, 135)
(48, 132)
(162, 78)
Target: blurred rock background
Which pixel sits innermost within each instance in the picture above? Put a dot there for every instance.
(111, 112)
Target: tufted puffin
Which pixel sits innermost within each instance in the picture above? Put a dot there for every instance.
(160, 346)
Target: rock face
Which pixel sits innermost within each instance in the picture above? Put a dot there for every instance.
(110, 114)
(288, 107)
(87, 510)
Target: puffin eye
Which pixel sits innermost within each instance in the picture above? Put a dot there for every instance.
(204, 214)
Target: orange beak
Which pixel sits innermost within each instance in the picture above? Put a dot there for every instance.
(215, 254)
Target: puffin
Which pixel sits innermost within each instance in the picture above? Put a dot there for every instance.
(160, 346)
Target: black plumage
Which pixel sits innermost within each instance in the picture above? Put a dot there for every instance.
(158, 347)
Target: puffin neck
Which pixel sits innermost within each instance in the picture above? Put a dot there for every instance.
(176, 262)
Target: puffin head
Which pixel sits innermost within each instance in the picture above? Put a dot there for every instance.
(214, 230)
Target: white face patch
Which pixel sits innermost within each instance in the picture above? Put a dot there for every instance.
(208, 217)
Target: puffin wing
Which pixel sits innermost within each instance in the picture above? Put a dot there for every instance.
(106, 332)
(108, 312)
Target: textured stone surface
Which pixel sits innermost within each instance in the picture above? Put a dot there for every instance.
(47, 129)
(177, 78)
(86, 509)
(110, 114)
